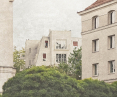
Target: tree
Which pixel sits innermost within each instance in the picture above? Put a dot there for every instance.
(73, 68)
(75, 63)
(18, 62)
(96, 88)
(41, 82)
(48, 82)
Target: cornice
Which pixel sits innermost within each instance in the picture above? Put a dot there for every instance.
(96, 8)
(98, 29)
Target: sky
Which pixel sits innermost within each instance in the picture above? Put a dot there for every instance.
(33, 19)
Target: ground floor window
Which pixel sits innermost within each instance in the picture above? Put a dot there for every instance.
(29, 62)
(60, 58)
(111, 66)
(44, 57)
(95, 69)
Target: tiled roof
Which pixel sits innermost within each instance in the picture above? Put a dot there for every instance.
(97, 3)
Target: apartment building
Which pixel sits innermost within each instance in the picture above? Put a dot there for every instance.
(51, 50)
(6, 41)
(99, 41)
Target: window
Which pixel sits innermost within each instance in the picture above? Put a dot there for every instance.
(95, 69)
(29, 50)
(95, 44)
(75, 43)
(44, 57)
(111, 66)
(111, 41)
(29, 62)
(23, 55)
(61, 44)
(95, 22)
(111, 17)
(46, 44)
(60, 58)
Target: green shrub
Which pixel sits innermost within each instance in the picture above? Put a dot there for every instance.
(41, 82)
(48, 82)
(95, 88)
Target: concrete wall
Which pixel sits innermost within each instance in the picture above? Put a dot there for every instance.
(6, 31)
(33, 44)
(42, 51)
(101, 13)
(56, 35)
(6, 41)
(51, 51)
(104, 54)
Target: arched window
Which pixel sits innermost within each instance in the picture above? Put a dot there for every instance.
(111, 17)
(95, 23)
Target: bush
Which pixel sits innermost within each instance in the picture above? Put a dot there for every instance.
(95, 88)
(48, 82)
(41, 82)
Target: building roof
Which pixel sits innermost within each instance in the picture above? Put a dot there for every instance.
(98, 3)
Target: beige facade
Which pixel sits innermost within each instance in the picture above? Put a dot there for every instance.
(99, 44)
(6, 41)
(52, 49)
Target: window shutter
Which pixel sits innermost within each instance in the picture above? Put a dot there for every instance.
(75, 43)
(97, 68)
(113, 62)
(97, 45)
(113, 17)
(46, 41)
(44, 56)
(113, 41)
(97, 22)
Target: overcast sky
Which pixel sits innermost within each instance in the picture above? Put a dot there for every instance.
(32, 19)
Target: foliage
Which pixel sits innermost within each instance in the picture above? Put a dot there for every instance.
(64, 68)
(114, 84)
(41, 82)
(73, 68)
(48, 82)
(75, 62)
(16, 58)
(96, 88)
(0, 95)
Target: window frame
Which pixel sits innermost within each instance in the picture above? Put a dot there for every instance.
(111, 18)
(44, 59)
(109, 65)
(95, 69)
(62, 59)
(46, 45)
(59, 46)
(95, 22)
(29, 50)
(111, 42)
(95, 45)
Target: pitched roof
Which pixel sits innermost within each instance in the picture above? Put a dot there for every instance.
(97, 3)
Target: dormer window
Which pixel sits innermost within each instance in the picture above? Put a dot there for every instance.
(95, 22)
(111, 17)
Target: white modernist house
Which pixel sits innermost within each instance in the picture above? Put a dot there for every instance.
(50, 50)
(99, 41)
(6, 41)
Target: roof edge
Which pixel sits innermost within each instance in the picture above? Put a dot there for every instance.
(97, 7)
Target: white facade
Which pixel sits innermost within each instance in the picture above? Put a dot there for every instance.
(50, 50)
(6, 41)
(99, 44)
